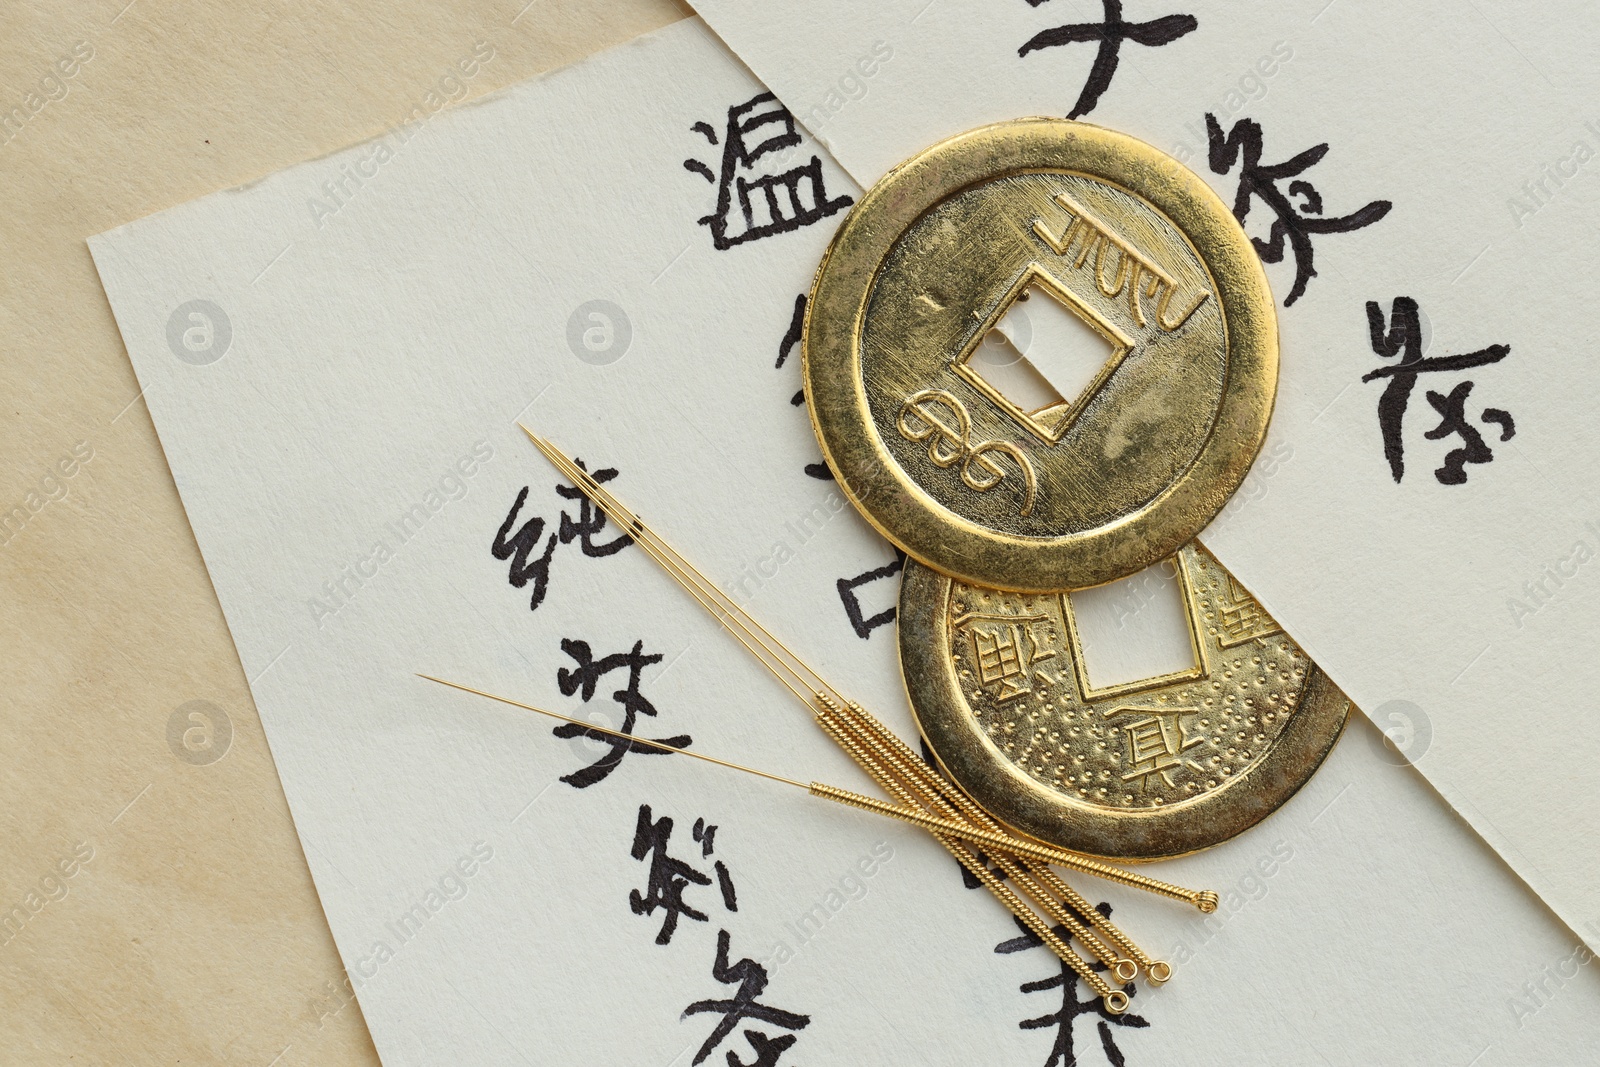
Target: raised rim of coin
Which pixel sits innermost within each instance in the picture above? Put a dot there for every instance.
(901, 509)
(974, 762)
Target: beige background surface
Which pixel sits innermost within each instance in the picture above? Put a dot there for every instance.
(193, 935)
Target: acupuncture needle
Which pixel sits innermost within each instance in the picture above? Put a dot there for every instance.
(946, 832)
(798, 676)
(968, 833)
(935, 794)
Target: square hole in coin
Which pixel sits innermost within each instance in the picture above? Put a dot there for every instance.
(1135, 629)
(1041, 357)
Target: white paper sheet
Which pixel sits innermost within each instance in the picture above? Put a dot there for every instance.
(1460, 616)
(335, 367)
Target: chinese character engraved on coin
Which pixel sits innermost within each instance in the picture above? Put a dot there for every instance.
(1008, 650)
(1135, 270)
(950, 442)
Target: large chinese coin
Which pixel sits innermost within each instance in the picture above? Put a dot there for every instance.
(1123, 769)
(1142, 342)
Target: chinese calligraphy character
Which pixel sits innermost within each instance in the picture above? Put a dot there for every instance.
(1155, 743)
(1110, 33)
(667, 879)
(1294, 224)
(519, 546)
(768, 203)
(1007, 649)
(584, 677)
(751, 979)
(861, 623)
(1063, 1050)
(590, 521)
(791, 338)
(669, 876)
(1402, 336)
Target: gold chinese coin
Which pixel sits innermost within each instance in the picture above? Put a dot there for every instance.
(1128, 770)
(1142, 342)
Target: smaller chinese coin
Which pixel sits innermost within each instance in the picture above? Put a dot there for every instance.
(1040, 355)
(1131, 770)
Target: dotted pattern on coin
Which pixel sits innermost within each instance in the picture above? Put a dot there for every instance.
(1158, 766)
(1176, 741)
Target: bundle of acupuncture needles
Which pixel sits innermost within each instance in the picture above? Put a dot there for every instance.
(1041, 899)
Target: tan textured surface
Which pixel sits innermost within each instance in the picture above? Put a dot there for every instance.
(193, 934)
